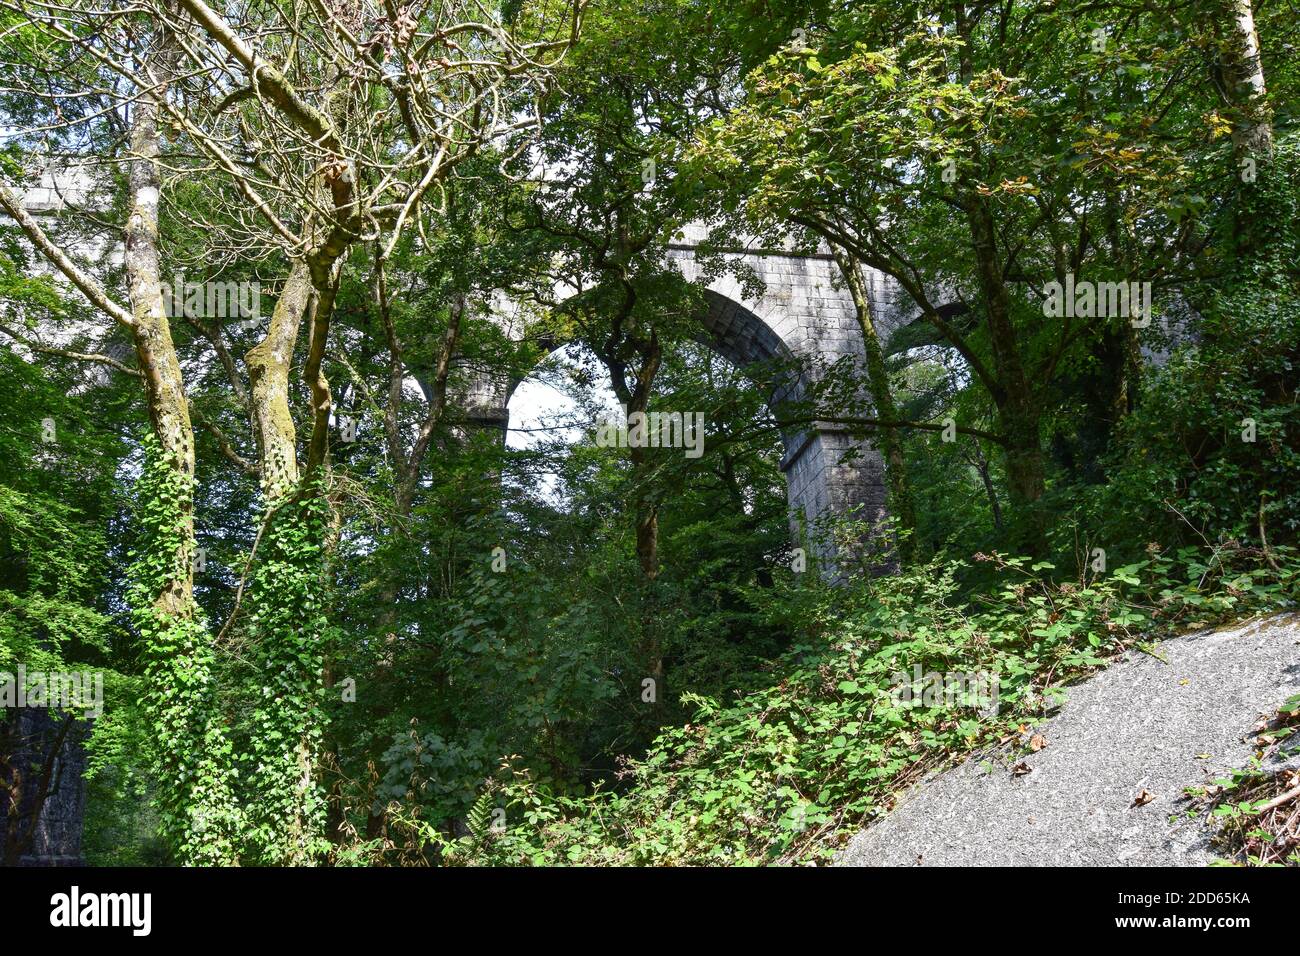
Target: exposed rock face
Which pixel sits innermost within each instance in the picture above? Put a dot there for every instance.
(55, 837)
(1144, 724)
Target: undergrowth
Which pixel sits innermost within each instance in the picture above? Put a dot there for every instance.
(784, 774)
(1257, 807)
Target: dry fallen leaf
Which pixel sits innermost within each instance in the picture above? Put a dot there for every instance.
(1144, 797)
(1037, 742)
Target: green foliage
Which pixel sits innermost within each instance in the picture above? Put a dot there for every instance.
(58, 567)
(190, 749)
(1214, 447)
(122, 821)
(285, 629)
(54, 496)
(895, 131)
(785, 773)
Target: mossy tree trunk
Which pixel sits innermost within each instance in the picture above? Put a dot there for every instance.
(193, 752)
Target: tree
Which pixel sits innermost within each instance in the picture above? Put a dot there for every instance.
(310, 173)
(1005, 120)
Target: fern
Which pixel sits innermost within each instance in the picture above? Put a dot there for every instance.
(479, 819)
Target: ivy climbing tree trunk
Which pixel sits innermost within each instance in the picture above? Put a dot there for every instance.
(193, 757)
(1251, 117)
(286, 622)
(287, 619)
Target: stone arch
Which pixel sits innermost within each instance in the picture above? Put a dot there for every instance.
(827, 471)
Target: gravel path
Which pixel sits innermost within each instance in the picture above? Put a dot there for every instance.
(1139, 725)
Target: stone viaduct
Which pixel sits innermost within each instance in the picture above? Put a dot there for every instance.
(804, 321)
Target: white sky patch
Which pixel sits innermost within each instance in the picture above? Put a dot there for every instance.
(536, 409)
(544, 409)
